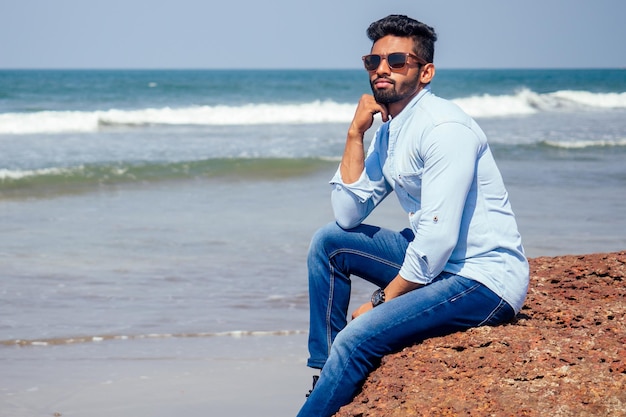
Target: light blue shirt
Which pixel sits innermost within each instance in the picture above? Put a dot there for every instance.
(437, 160)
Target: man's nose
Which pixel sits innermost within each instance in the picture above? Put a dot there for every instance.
(383, 67)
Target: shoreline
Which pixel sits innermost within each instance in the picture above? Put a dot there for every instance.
(266, 375)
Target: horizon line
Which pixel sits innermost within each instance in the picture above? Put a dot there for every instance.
(288, 68)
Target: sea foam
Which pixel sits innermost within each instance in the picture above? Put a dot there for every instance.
(249, 114)
(9, 174)
(524, 102)
(583, 144)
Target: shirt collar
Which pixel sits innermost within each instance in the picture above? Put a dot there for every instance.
(406, 111)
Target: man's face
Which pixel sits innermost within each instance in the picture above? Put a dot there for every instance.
(397, 86)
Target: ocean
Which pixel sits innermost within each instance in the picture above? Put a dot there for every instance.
(155, 223)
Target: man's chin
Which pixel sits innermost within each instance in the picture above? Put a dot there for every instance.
(385, 98)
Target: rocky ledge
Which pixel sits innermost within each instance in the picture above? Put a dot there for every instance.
(564, 355)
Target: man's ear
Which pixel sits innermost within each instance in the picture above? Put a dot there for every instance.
(428, 73)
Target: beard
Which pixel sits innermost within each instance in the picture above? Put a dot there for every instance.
(387, 96)
(399, 92)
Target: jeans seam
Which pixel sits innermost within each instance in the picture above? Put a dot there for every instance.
(462, 293)
(493, 312)
(365, 255)
(331, 293)
(332, 285)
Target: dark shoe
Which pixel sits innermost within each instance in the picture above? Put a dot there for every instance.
(315, 378)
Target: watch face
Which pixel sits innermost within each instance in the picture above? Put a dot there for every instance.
(378, 297)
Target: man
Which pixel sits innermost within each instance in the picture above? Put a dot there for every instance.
(460, 264)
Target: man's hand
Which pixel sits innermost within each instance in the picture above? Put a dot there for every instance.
(352, 162)
(396, 287)
(363, 309)
(364, 115)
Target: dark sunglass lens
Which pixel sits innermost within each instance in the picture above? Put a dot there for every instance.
(396, 60)
(371, 62)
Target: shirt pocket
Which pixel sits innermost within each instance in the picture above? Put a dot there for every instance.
(411, 183)
(409, 191)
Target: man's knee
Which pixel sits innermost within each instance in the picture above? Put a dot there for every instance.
(327, 233)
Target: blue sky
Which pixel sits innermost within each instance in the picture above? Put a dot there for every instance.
(304, 34)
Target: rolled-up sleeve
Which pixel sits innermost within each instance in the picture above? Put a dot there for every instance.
(352, 203)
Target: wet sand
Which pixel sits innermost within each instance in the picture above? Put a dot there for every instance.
(262, 376)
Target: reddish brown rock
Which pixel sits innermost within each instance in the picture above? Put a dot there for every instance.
(564, 355)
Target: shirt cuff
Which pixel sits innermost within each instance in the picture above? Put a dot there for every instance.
(416, 269)
(361, 188)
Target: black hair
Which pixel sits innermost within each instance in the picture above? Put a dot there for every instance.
(424, 36)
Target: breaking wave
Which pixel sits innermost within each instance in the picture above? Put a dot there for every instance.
(583, 144)
(524, 102)
(527, 102)
(250, 114)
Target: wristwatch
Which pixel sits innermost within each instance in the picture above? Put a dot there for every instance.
(378, 297)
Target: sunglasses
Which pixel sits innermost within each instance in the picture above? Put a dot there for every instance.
(395, 60)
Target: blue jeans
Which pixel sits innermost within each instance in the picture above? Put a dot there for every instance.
(347, 353)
